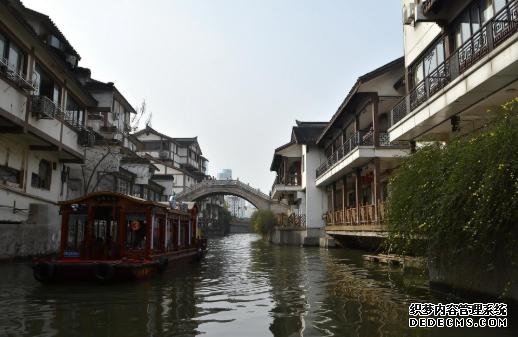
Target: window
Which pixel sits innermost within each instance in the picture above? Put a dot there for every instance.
(75, 235)
(351, 200)
(74, 114)
(104, 233)
(367, 195)
(156, 233)
(12, 59)
(8, 174)
(43, 178)
(170, 234)
(46, 86)
(153, 145)
(15, 58)
(123, 186)
(136, 229)
(3, 46)
(471, 20)
(426, 64)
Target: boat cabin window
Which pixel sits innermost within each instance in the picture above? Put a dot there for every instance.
(105, 233)
(171, 234)
(75, 235)
(158, 223)
(136, 228)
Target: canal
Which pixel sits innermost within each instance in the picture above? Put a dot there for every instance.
(244, 287)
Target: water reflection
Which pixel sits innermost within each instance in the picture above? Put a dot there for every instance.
(244, 287)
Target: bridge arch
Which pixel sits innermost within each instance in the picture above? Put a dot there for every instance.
(232, 187)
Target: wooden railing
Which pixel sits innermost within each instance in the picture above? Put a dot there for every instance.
(495, 31)
(289, 180)
(351, 217)
(292, 221)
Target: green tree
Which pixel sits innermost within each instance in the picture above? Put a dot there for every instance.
(461, 197)
(263, 221)
(224, 219)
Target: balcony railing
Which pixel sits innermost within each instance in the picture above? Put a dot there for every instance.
(351, 216)
(292, 221)
(361, 138)
(43, 107)
(495, 31)
(15, 77)
(108, 129)
(290, 180)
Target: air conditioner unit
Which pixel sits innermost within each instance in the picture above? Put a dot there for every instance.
(409, 13)
(419, 13)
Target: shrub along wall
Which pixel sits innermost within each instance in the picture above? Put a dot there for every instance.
(458, 205)
(263, 221)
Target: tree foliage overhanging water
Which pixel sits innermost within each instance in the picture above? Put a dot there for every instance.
(462, 196)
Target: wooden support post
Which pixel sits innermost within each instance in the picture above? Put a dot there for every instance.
(375, 120)
(377, 188)
(333, 196)
(358, 187)
(344, 189)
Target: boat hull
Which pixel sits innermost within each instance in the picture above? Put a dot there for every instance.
(68, 270)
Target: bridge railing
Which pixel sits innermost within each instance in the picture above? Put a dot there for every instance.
(209, 183)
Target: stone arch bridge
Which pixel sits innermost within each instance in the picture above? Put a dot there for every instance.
(233, 187)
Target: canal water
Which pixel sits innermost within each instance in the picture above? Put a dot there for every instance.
(244, 287)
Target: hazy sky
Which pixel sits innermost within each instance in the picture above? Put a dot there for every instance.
(235, 73)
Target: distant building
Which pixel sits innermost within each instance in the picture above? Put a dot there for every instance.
(295, 163)
(225, 174)
(180, 162)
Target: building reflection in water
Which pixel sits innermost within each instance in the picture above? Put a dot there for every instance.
(244, 287)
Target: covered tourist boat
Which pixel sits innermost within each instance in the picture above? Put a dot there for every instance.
(108, 236)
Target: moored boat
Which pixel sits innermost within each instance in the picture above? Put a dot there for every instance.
(108, 236)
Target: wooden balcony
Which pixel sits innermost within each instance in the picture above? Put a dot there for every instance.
(365, 215)
(291, 222)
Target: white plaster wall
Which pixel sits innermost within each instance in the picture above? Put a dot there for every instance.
(140, 170)
(315, 197)
(33, 163)
(13, 194)
(104, 99)
(51, 127)
(69, 138)
(167, 184)
(12, 100)
(417, 37)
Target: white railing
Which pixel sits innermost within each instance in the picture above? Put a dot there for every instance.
(14, 76)
(236, 183)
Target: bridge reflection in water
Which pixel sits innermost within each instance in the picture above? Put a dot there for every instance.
(244, 287)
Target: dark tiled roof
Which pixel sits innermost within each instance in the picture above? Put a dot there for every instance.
(362, 79)
(46, 20)
(148, 129)
(186, 140)
(20, 12)
(307, 134)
